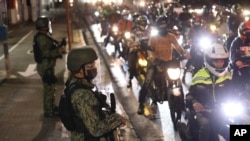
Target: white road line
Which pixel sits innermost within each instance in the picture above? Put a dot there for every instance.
(19, 42)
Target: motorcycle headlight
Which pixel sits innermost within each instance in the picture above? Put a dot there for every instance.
(232, 109)
(205, 42)
(115, 29)
(247, 18)
(97, 14)
(127, 35)
(213, 28)
(153, 32)
(174, 73)
(142, 62)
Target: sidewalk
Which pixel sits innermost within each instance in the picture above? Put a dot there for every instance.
(21, 105)
(21, 114)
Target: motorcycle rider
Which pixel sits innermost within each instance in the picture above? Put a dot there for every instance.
(140, 32)
(196, 33)
(185, 22)
(163, 46)
(211, 85)
(233, 22)
(240, 51)
(125, 24)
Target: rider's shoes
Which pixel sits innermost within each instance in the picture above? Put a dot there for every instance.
(140, 109)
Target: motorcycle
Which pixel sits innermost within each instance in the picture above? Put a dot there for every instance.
(137, 61)
(223, 115)
(116, 38)
(175, 91)
(167, 86)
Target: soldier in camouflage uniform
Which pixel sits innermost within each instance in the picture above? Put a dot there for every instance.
(46, 51)
(81, 63)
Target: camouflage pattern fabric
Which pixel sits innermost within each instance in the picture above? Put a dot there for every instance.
(86, 106)
(45, 69)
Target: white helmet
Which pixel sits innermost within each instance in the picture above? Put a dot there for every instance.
(216, 51)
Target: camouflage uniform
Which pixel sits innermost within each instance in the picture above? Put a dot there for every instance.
(46, 69)
(86, 105)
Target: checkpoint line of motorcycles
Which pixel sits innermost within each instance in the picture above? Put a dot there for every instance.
(167, 85)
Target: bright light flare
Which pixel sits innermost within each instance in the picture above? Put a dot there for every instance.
(97, 14)
(127, 35)
(142, 62)
(205, 42)
(142, 3)
(115, 29)
(246, 12)
(153, 32)
(174, 73)
(213, 27)
(232, 109)
(198, 11)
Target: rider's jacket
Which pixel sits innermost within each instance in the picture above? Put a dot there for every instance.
(208, 89)
(163, 46)
(240, 51)
(140, 34)
(140, 37)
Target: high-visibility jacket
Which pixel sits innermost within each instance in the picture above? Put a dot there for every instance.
(208, 89)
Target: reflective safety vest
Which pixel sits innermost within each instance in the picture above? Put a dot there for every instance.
(203, 77)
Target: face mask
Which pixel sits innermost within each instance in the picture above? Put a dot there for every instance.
(91, 73)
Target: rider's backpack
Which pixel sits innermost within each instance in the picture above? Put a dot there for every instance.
(66, 112)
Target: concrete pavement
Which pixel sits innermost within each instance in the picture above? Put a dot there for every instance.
(21, 114)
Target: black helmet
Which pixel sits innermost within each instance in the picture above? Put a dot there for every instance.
(162, 22)
(162, 25)
(80, 56)
(244, 30)
(142, 21)
(135, 16)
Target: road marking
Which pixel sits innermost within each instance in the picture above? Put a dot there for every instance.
(17, 44)
(29, 71)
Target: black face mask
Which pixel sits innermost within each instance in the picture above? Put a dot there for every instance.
(91, 73)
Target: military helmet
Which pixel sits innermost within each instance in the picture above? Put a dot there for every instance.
(80, 56)
(42, 22)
